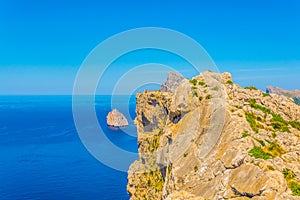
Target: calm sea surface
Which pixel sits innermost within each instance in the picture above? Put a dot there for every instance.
(42, 157)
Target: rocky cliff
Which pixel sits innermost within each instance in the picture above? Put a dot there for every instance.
(212, 139)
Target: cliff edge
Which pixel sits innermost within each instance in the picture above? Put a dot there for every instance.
(211, 139)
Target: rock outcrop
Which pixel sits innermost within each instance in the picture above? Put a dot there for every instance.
(211, 139)
(172, 82)
(116, 118)
(294, 94)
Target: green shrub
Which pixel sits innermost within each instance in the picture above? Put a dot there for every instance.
(195, 93)
(295, 187)
(251, 120)
(245, 134)
(256, 106)
(260, 142)
(200, 98)
(251, 88)
(194, 88)
(295, 124)
(258, 152)
(252, 101)
(279, 124)
(259, 118)
(288, 174)
(208, 97)
(201, 83)
(238, 107)
(194, 81)
(265, 94)
(275, 149)
(277, 118)
(196, 168)
(229, 82)
(185, 154)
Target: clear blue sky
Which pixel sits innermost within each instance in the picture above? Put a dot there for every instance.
(43, 43)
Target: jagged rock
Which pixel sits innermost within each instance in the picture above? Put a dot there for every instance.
(116, 118)
(172, 82)
(197, 142)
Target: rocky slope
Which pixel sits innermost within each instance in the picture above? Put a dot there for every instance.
(211, 139)
(294, 94)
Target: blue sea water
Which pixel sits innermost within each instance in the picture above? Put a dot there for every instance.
(42, 157)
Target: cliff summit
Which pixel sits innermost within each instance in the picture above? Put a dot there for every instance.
(208, 138)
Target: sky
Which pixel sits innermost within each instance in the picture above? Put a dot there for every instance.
(44, 43)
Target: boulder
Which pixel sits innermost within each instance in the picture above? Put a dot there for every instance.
(116, 118)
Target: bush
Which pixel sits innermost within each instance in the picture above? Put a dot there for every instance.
(260, 142)
(275, 149)
(278, 118)
(279, 124)
(251, 120)
(265, 94)
(257, 152)
(201, 83)
(229, 82)
(288, 174)
(208, 97)
(194, 81)
(295, 124)
(196, 168)
(295, 187)
(245, 134)
(251, 88)
(256, 106)
(195, 93)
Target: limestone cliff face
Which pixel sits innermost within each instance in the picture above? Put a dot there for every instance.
(211, 139)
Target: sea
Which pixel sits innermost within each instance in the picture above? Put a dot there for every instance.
(42, 156)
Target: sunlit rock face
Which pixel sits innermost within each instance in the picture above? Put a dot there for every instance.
(116, 118)
(208, 138)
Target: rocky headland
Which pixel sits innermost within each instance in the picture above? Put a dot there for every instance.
(294, 94)
(208, 138)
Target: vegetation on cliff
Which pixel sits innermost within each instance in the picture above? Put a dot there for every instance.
(209, 138)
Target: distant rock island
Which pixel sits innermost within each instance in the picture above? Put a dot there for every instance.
(209, 138)
(294, 94)
(116, 118)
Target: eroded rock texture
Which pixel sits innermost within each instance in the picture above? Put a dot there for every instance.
(212, 139)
